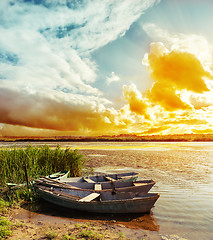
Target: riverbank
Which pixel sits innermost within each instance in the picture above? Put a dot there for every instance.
(32, 225)
(183, 172)
(42, 220)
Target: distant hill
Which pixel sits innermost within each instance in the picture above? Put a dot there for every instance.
(121, 137)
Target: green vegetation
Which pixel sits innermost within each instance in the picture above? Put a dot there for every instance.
(121, 235)
(50, 234)
(5, 228)
(68, 237)
(38, 161)
(89, 234)
(3, 206)
(86, 231)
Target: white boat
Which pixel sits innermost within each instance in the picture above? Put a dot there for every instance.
(56, 176)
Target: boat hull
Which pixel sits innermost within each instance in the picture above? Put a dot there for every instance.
(138, 204)
(59, 175)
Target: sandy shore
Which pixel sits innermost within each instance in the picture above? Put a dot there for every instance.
(36, 226)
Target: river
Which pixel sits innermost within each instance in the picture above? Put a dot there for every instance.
(183, 172)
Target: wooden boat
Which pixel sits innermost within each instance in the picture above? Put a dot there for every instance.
(56, 176)
(116, 186)
(122, 177)
(104, 202)
(59, 175)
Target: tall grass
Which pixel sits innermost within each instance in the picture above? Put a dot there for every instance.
(39, 161)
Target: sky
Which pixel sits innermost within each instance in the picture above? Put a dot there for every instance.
(91, 67)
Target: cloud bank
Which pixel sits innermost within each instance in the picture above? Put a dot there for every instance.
(48, 76)
(47, 73)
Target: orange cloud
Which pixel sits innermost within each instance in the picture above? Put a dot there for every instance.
(155, 130)
(180, 69)
(164, 94)
(172, 73)
(182, 121)
(135, 101)
(43, 113)
(203, 131)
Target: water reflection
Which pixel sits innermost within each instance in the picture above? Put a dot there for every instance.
(45, 209)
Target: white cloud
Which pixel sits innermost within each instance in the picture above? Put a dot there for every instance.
(52, 41)
(45, 50)
(113, 78)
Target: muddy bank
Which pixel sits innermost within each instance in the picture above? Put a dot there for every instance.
(36, 220)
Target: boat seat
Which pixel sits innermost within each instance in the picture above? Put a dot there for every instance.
(97, 187)
(109, 178)
(88, 180)
(89, 197)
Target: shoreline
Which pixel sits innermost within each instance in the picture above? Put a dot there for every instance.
(36, 225)
(149, 165)
(115, 138)
(35, 218)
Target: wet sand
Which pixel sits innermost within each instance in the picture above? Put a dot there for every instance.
(45, 215)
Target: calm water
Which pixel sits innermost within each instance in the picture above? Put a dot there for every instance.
(184, 175)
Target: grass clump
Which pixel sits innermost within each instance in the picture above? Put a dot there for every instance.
(121, 235)
(91, 235)
(51, 235)
(39, 161)
(3, 206)
(5, 228)
(68, 237)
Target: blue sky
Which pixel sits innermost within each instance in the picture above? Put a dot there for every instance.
(94, 67)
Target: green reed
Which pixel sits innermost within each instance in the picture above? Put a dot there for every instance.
(39, 161)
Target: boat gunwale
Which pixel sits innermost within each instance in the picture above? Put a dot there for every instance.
(128, 188)
(154, 196)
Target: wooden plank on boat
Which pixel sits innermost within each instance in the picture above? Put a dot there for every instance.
(109, 178)
(88, 180)
(122, 177)
(138, 184)
(98, 187)
(89, 197)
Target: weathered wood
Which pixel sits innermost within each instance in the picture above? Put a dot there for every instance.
(109, 178)
(49, 180)
(88, 180)
(139, 184)
(131, 202)
(119, 177)
(90, 197)
(26, 176)
(97, 187)
(60, 193)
